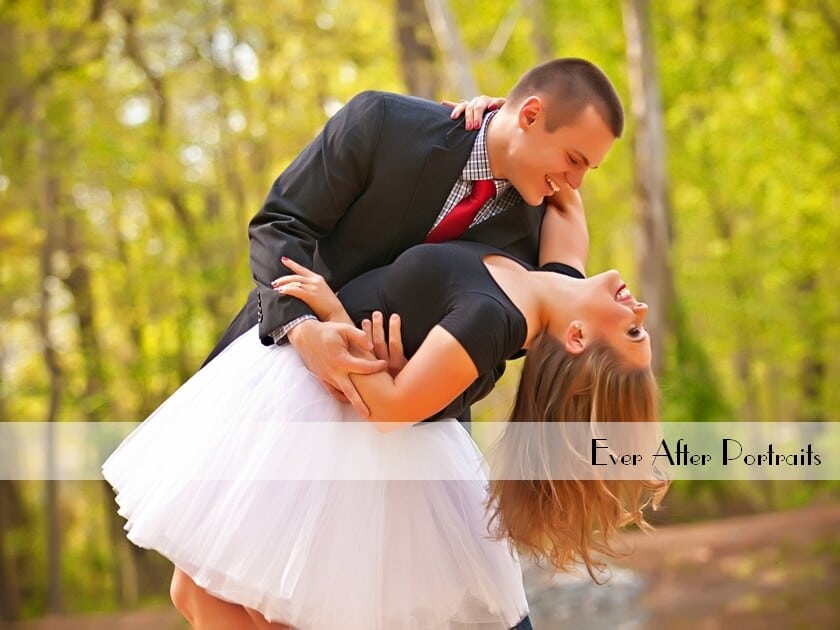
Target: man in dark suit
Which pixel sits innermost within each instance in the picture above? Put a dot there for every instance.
(386, 169)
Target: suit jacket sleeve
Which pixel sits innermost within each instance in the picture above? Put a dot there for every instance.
(307, 200)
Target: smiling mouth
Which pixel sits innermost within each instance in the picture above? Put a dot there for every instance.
(552, 184)
(623, 294)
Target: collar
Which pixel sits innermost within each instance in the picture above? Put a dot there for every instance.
(478, 164)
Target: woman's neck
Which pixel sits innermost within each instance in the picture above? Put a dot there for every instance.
(558, 295)
(541, 297)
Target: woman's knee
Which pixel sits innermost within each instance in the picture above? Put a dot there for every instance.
(182, 591)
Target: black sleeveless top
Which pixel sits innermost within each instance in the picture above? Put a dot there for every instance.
(447, 284)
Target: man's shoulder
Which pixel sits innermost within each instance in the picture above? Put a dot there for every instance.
(391, 104)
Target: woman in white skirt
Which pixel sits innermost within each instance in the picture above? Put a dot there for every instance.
(288, 510)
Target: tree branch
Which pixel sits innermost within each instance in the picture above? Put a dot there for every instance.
(831, 20)
(134, 51)
(63, 63)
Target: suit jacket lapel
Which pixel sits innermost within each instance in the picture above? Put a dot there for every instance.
(433, 184)
(520, 223)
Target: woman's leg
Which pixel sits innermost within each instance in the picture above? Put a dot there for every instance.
(202, 610)
(261, 624)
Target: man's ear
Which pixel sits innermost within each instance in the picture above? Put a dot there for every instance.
(573, 339)
(530, 111)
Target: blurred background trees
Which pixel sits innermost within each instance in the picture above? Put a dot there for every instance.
(138, 137)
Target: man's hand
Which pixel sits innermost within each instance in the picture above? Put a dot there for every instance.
(325, 350)
(392, 351)
(473, 109)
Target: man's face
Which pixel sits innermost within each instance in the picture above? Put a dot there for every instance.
(538, 160)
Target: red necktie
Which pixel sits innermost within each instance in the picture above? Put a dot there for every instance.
(459, 218)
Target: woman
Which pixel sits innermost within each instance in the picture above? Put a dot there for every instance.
(318, 553)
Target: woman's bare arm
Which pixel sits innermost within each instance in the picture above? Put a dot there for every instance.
(436, 374)
(564, 235)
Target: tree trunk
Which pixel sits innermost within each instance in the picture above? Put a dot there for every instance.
(11, 516)
(49, 203)
(415, 42)
(78, 282)
(541, 30)
(812, 367)
(651, 179)
(455, 54)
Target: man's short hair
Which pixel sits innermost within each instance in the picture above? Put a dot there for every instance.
(567, 86)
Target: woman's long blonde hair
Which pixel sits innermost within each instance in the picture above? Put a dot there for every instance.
(563, 521)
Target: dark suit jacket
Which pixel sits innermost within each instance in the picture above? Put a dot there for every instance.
(367, 188)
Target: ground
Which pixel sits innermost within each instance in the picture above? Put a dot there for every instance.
(772, 570)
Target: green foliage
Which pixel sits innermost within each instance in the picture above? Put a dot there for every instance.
(144, 136)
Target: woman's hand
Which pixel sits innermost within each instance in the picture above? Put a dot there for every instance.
(473, 109)
(311, 288)
(567, 199)
(392, 350)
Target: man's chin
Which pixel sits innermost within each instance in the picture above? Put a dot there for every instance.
(537, 200)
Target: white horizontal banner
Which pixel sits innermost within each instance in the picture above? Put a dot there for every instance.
(430, 451)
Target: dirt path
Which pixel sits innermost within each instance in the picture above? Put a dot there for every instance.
(152, 619)
(775, 570)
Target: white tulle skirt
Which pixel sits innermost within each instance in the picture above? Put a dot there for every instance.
(238, 480)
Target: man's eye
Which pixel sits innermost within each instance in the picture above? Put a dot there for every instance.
(573, 161)
(635, 332)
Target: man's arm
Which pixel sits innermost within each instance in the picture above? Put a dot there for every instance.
(307, 200)
(304, 205)
(325, 345)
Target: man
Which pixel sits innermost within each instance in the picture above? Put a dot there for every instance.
(386, 173)
(386, 169)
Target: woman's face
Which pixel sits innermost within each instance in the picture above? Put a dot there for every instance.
(607, 310)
